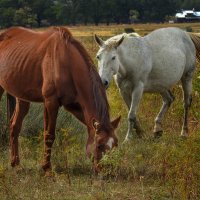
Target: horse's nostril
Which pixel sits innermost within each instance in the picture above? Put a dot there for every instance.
(105, 83)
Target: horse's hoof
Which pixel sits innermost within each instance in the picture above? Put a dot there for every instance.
(184, 133)
(45, 172)
(49, 174)
(127, 140)
(184, 137)
(158, 134)
(18, 169)
(14, 163)
(141, 135)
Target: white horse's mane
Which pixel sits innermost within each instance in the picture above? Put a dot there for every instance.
(111, 42)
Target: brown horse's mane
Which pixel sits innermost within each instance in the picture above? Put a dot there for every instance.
(64, 32)
(100, 99)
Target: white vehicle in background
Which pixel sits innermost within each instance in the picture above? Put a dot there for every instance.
(187, 16)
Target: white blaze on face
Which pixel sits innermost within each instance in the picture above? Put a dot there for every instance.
(110, 142)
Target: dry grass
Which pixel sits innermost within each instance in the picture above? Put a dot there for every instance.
(167, 168)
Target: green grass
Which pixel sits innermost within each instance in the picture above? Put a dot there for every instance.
(167, 168)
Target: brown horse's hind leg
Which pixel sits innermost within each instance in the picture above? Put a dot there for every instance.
(21, 110)
(11, 103)
(50, 116)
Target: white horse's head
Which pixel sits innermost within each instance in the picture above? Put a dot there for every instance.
(108, 61)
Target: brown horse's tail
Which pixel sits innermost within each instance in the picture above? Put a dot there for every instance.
(11, 102)
(196, 40)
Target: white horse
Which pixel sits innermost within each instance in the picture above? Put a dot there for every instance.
(153, 63)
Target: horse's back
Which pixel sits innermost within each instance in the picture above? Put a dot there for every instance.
(172, 40)
(173, 55)
(16, 34)
(167, 34)
(20, 47)
(21, 55)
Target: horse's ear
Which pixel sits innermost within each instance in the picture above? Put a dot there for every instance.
(115, 122)
(119, 41)
(98, 40)
(96, 125)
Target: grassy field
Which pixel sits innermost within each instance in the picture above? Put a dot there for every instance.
(167, 168)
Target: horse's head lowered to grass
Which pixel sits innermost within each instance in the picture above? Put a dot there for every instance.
(100, 140)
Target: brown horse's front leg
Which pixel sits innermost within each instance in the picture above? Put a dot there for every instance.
(21, 110)
(50, 116)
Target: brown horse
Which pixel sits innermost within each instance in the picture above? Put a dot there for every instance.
(54, 68)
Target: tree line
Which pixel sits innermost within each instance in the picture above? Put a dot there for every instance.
(36, 13)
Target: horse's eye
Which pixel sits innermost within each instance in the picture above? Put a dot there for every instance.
(98, 57)
(113, 58)
(101, 147)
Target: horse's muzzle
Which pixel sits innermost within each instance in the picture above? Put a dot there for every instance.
(105, 83)
(97, 167)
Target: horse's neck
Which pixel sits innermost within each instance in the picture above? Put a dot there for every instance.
(122, 72)
(87, 100)
(129, 52)
(84, 84)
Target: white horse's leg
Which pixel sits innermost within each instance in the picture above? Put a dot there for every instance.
(168, 98)
(126, 97)
(187, 94)
(133, 123)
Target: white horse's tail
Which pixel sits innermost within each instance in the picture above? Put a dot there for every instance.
(196, 40)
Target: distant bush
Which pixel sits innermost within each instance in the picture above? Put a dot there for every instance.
(129, 30)
(189, 29)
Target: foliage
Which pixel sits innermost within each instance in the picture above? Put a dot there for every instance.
(191, 4)
(49, 12)
(134, 15)
(24, 17)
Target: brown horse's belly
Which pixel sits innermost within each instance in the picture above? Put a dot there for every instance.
(22, 90)
(32, 96)
(21, 81)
